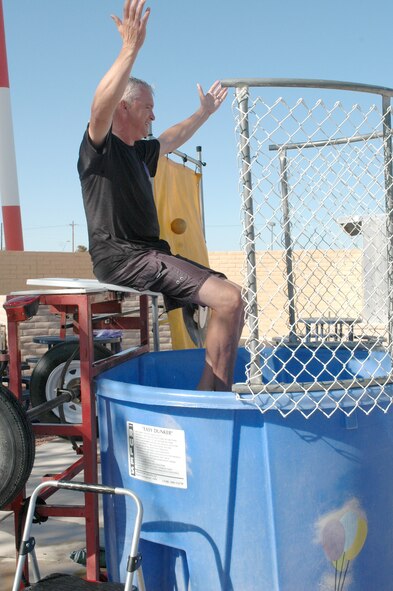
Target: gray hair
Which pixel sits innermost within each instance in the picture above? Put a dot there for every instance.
(133, 85)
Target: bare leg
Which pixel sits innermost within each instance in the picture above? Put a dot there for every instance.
(223, 333)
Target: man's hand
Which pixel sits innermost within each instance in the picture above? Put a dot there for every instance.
(132, 28)
(213, 98)
(178, 134)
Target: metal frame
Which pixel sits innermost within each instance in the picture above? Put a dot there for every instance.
(288, 244)
(242, 86)
(82, 306)
(27, 545)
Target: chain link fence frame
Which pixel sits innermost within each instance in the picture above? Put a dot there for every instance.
(316, 176)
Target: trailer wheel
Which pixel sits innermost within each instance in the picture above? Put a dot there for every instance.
(17, 445)
(46, 378)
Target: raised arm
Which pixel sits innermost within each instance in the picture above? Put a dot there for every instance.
(176, 136)
(132, 30)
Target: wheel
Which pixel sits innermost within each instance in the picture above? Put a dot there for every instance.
(17, 446)
(47, 375)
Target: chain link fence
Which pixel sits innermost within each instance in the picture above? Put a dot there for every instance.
(316, 186)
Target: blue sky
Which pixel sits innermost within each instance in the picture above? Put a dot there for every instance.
(58, 50)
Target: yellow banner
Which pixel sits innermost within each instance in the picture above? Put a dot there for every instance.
(176, 192)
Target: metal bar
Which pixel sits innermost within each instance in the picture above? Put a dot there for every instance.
(201, 196)
(61, 429)
(306, 387)
(109, 362)
(242, 95)
(67, 474)
(61, 510)
(288, 245)
(388, 174)
(154, 321)
(89, 424)
(323, 143)
(36, 411)
(306, 83)
(144, 320)
(187, 158)
(14, 368)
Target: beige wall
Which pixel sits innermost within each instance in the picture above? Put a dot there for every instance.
(327, 282)
(17, 267)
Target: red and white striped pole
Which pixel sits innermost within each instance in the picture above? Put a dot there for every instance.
(9, 193)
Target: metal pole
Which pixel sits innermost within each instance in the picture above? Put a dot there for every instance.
(155, 324)
(201, 200)
(330, 142)
(271, 226)
(242, 95)
(288, 245)
(388, 173)
(305, 83)
(72, 236)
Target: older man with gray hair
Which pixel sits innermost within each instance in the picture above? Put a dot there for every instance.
(115, 165)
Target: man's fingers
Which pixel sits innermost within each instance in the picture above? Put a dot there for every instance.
(126, 9)
(116, 20)
(139, 9)
(214, 87)
(222, 94)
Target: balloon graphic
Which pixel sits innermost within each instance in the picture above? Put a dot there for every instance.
(350, 523)
(355, 535)
(341, 564)
(359, 540)
(333, 539)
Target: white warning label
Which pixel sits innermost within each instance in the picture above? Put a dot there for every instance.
(157, 454)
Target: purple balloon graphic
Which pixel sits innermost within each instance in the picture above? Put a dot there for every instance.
(333, 539)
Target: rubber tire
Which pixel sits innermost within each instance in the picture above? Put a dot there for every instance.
(49, 363)
(17, 445)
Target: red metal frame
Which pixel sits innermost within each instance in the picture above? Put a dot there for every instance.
(82, 307)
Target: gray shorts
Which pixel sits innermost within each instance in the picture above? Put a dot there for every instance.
(177, 278)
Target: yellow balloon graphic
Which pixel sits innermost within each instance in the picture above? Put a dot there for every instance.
(359, 540)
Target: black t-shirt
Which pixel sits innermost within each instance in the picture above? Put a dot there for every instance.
(118, 197)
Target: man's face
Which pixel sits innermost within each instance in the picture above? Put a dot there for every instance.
(140, 113)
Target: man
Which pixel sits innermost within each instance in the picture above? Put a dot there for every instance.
(115, 165)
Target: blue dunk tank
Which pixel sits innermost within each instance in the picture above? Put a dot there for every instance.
(243, 500)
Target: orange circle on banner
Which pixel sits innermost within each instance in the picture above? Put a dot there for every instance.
(178, 226)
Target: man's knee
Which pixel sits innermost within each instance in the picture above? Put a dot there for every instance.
(232, 300)
(222, 296)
